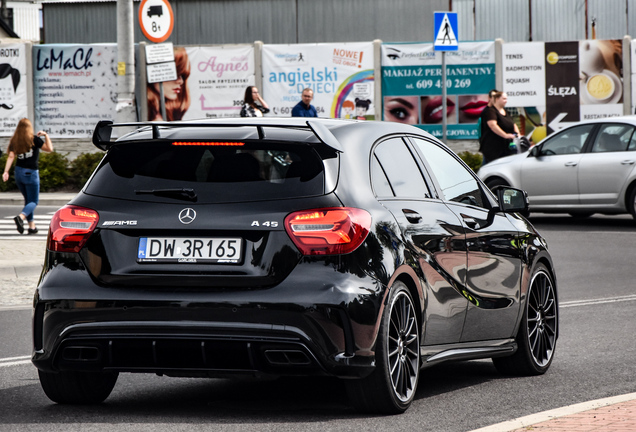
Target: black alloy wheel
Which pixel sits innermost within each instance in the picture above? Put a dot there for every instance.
(538, 331)
(391, 388)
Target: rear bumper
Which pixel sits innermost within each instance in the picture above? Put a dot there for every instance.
(300, 327)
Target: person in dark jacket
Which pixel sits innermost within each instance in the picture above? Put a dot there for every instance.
(499, 131)
(304, 107)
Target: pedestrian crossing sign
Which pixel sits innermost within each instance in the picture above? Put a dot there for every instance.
(446, 31)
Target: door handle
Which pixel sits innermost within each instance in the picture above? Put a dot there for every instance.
(627, 162)
(412, 216)
(571, 164)
(470, 222)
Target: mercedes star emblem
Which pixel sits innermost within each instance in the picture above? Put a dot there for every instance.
(187, 215)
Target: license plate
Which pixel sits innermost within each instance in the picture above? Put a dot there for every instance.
(226, 250)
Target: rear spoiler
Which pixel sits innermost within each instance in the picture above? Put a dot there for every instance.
(104, 129)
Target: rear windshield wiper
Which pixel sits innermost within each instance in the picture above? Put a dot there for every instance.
(178, 193)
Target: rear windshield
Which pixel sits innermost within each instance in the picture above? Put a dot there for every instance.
(206, 173)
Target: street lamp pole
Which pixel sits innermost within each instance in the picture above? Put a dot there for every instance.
(125, 62)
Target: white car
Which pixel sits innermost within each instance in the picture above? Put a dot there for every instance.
(586, 168)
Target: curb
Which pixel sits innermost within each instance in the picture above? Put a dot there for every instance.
(46, 199)
(533, 419)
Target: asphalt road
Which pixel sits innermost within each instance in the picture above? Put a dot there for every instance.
(594, 359)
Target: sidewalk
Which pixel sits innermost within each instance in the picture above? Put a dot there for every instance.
(21, 260)
(46, 198)
(20, 267)
(21, 263)
(614, 414)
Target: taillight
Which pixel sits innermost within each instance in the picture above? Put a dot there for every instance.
(328, 231)
(70, 228)
(206, 143)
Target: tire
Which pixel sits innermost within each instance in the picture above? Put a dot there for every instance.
(81, 388)
(496, 181)
(631, 204)
(391, 387)
(536, 339)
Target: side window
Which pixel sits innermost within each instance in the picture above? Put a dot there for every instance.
(570, 141)
(379, 181)
(612, 138)
(401, 170)
(457, 183)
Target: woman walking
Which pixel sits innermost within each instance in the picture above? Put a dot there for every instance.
(499, 131)
(25, 146)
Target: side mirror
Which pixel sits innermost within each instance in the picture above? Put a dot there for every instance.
(512, 200)
(535, 151)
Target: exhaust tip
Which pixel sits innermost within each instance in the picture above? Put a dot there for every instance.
(287, 357)
(81, 354)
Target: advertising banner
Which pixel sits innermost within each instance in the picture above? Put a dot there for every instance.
(562, 79)
(524, 73)
(555, 84)
(74, 87)
(412, 86)
(210, 83)
(340, 75)
(13, 87)
(633, 77)
(601, 78)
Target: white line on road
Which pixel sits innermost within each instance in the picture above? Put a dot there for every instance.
(44, 216)
(14, 361)
(576, 303)
(15, 358)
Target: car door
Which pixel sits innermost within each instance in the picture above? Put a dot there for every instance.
(432, 234)
(494, 261)
(603, 170)
(550, 177)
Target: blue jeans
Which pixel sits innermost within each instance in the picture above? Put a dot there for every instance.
(28, 181)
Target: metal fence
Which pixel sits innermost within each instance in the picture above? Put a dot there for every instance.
(309, 21)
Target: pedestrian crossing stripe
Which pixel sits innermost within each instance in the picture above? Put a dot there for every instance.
(8, 229)
(446, 31)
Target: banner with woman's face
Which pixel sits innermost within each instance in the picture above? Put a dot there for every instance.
(210, 83)
(412, 86)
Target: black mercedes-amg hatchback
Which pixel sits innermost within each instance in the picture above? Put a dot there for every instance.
(360, 250)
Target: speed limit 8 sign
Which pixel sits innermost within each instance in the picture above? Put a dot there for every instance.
(156, 19)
